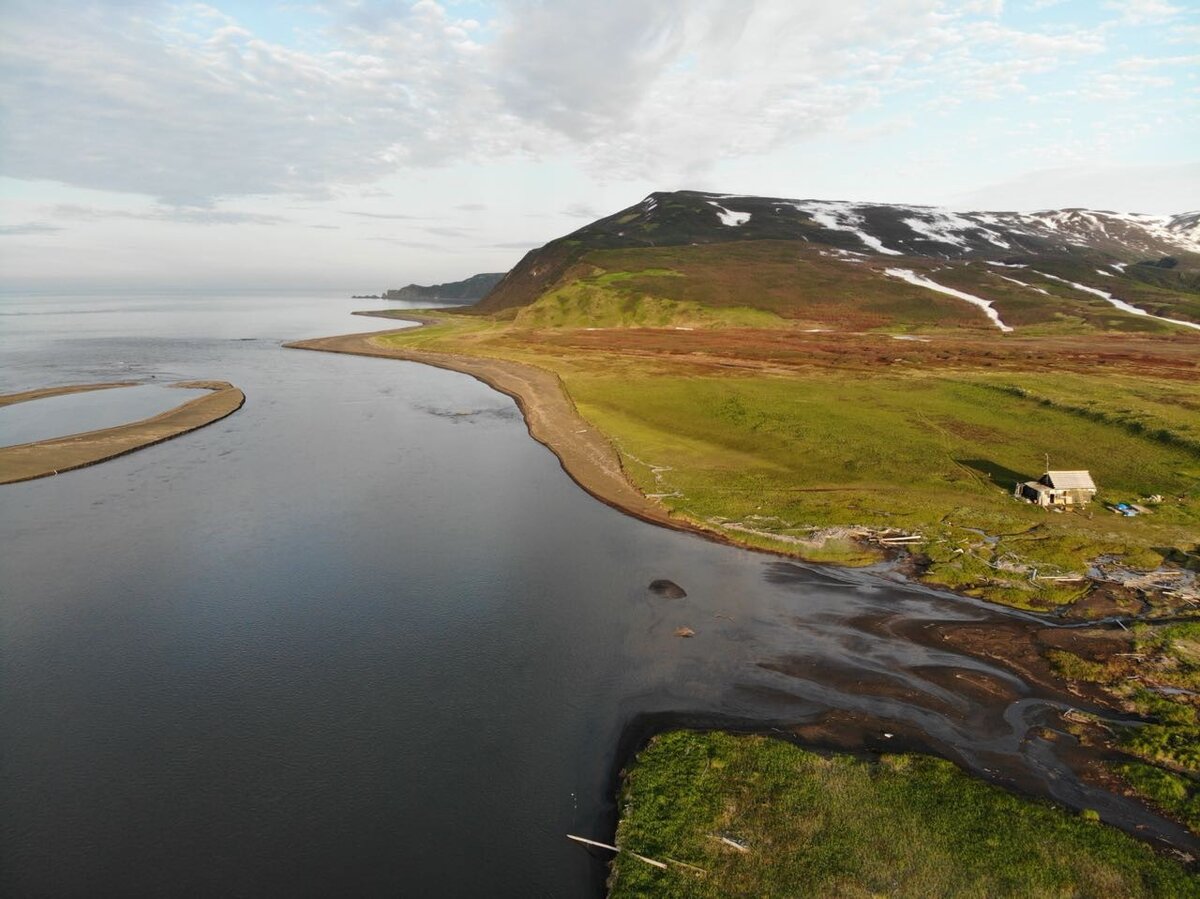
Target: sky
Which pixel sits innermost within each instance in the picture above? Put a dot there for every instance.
(363, 145)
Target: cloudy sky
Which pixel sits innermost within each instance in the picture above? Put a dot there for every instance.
(363, 144)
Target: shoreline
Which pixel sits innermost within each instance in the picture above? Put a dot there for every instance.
(586, 456)
(43, 458)
(550, 417)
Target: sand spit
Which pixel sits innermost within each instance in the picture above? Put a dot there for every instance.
(27, 461)
(584, 452)
(43, 393)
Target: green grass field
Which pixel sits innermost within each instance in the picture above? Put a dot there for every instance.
(903, 826)
(931, 454)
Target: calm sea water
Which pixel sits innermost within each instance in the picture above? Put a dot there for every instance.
(364, 637)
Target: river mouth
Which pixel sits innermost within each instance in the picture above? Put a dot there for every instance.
(922, 671)
(343, 643)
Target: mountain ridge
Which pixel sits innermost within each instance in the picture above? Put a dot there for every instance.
(1088, 251)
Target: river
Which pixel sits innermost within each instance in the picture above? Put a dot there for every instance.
(365, 637)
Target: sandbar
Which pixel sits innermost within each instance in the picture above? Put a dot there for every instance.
(42, 458)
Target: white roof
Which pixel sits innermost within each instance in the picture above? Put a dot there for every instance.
(1071, 480)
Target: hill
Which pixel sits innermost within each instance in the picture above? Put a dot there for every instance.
(470, 290)
(867, 266)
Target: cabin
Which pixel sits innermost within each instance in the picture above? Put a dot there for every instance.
(1056, 489)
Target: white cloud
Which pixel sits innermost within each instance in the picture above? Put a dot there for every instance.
(184, 103)
(175, 102)
(188, 215)
(1157, 189)
(25, 228)
(1139, 12)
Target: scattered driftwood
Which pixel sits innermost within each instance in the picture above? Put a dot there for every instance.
(900, 539)
(667, 589)
(740, 847)
(676, 861)
(641, 858)
(684, 632)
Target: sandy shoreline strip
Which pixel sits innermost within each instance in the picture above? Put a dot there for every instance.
(27, 461)
(43, 393)
(585, 453)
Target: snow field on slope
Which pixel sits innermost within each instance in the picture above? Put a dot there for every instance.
(913, 278)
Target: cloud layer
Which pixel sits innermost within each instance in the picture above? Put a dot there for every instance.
(185, 103)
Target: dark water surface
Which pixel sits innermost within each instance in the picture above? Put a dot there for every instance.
(364, 637)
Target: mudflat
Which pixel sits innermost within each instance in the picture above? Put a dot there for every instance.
(27, 461)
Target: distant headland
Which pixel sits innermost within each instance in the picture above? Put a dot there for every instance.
(471, 290)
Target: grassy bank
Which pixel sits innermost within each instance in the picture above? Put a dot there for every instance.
(839, 826)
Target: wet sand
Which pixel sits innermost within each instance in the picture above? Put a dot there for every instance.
(42, 458)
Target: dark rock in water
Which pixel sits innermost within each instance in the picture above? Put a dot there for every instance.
(668, 589)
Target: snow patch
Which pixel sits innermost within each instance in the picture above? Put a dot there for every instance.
(931, 231)
(944, 226)
(913, 278)
(1101, 271)
(1146, 233)
(1023, 284)
(730, 218)
(1119, 266)
(1120, 304)
(842, 217)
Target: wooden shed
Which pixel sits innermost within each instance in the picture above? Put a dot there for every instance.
(1058, 488)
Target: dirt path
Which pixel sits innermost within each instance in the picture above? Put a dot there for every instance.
(585, 453)
(27, 461)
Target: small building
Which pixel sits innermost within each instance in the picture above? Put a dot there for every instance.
(1058, 488)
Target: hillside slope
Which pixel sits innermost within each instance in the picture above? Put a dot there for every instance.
(865, 266)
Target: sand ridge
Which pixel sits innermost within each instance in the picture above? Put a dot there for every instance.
(27, 461)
